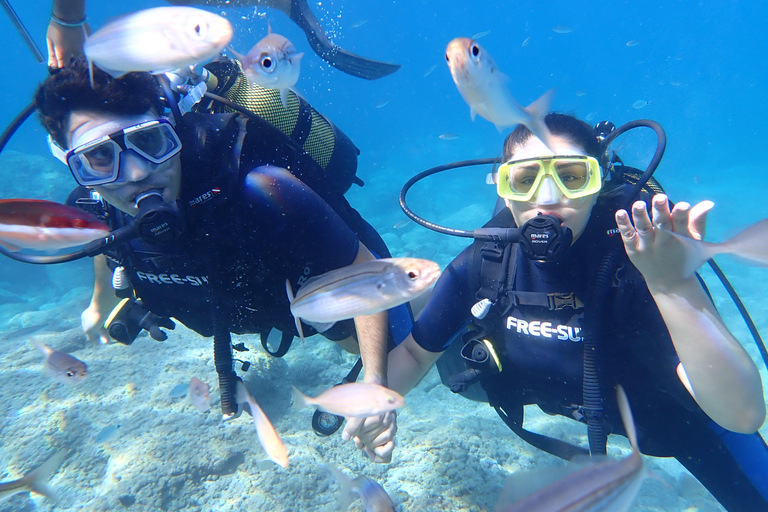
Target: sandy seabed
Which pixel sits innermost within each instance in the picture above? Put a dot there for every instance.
(452, 454)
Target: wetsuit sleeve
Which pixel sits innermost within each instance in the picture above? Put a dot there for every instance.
(294, 218)
(448, 309)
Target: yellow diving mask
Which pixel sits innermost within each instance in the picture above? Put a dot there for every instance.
(575, 175)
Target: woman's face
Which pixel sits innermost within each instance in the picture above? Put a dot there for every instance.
(136, 174)
(548, 199)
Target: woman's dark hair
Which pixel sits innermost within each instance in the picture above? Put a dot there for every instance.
(70, 89)
(563, 125)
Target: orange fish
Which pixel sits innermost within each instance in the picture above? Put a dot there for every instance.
(268, 437)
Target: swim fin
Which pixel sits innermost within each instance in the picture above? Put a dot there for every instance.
(339, 58)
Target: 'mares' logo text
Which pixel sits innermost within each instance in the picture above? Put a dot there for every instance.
(544, 329)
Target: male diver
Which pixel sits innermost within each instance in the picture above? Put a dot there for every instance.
(614, 308)
(223, 224)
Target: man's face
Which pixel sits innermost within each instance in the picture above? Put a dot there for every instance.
(136, 174)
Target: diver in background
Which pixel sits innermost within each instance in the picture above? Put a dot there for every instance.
(68, 28)
(246, 226)
(613, 310)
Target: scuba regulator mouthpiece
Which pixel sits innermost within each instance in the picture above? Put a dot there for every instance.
(542, 238)
(157, 222)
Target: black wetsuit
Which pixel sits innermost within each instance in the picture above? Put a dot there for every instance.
(542, 357)
(248, 229)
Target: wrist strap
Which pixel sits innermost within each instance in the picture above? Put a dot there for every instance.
(64, 23)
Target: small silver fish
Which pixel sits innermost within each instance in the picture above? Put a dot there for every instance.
(63, 367)
(482, 34)
(199, 394)
(359, 24)
(484, 88)
(640, 104)
(375, 498)
(354, 400)
(581, 93)
(360, 289)
(562, 29)
(267, 434)
(608, 485)
(448, 136)
(273, 63)
(632, 43)
(158, 40)
(526, 41)
(36, 480)
(382, 104)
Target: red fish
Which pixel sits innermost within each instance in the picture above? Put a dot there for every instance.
(46, 226)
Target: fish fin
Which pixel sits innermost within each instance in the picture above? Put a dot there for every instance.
(296, 58)
(41, 347)
(238, 56)
(472, 113)
(284, 97)
(10, 246)
(524, 483)
(626, 417)
(537, 111)
(300, 399)
(321, 326)
(269, 27)
(346, 483)
(37, 479)
(750, 245)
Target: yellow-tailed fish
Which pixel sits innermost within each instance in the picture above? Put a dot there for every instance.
(607, 485)
(158, 40)
(360, 289)
(485, 90)
(36, 480)
(375, 498)
(354, 400)
(268, 437)
(61, 366)
(273, 63)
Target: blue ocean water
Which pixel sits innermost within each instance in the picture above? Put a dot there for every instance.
(699, 66)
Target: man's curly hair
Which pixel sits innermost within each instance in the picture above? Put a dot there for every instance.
(70, 89)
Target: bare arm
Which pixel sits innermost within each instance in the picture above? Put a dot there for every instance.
(102, 302)
(372, 331)
(65, 42)
(716, 369)
(408, 364)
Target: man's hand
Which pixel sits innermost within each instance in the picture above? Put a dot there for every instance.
(92, 322)
(375, 435)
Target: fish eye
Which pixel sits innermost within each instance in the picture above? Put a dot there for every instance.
(447, 58)
(70, 373)
(390, 400)
(200, 29)
(413, 274)
(266, 62)
(79, 223)
(475, 50)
